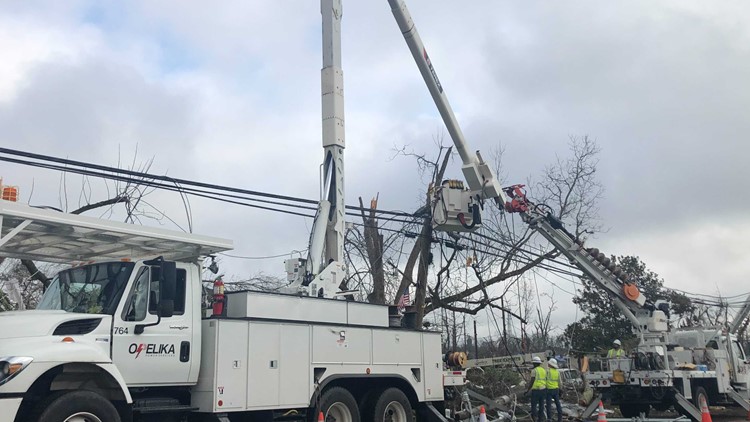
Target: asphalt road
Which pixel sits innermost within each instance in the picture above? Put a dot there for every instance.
(717, 414)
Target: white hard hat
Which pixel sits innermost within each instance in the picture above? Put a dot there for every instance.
(536, 359)
(552, 362)
(617, 342)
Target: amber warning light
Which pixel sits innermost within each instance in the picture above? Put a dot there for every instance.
(9, 193)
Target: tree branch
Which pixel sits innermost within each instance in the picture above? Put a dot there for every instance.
(36, 273)
(122, 198)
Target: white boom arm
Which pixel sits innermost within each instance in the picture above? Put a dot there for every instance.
(323, 271)
(740, 318)
(647, 319)
(588, 263)
(477, 173)
(452, 203)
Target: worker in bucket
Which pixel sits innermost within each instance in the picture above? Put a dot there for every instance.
(553, 389)
(616, 351)
(538, 389)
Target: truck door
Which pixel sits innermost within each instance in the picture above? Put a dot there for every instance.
(162, 353)
(740, 365)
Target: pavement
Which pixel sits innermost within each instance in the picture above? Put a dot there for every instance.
(719, 414)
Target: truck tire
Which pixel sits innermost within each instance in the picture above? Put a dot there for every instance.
(697, 393)
(77, 406)
(696, 400)
(393, 406)
(338, 405)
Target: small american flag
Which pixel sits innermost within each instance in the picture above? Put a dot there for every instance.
(404, 301)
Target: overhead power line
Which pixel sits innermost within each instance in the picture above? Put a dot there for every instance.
(264, 257)
(288, 205)
(65, 164)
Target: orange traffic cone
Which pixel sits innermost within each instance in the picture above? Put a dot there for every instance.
(602, 416)
(321, 418)
(705, 416)
(482, 414)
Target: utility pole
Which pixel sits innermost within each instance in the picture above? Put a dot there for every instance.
(502, 305)
(466, 333)
(476, 341)
(455, 332)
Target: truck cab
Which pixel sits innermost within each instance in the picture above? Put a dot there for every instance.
(152, 307)
(124, 317)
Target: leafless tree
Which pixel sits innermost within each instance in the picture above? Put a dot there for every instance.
(469, 272)
(129, 198)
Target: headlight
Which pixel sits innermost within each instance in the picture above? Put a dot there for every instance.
(11, 366)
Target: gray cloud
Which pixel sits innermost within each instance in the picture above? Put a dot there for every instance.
(84, 109)
(661, 86)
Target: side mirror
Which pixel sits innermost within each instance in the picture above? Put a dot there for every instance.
(168, 281)
(166, 308)
(164, 273)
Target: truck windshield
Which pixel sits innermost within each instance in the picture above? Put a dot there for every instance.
(737, 350)
(91, 289)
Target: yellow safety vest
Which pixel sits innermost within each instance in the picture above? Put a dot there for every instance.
(553, 379)
(615, 353)
(540, 379)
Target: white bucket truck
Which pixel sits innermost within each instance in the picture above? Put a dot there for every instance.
(124, 337)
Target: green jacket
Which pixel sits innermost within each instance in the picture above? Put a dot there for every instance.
(615, 353)
(540, 378)
(553, 379)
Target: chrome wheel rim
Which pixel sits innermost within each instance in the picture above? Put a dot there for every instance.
(339, 412)
(395, 412)
(83, 417)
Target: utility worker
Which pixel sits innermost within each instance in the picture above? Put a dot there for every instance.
(553, 389)
(538, 389)
(616, 350)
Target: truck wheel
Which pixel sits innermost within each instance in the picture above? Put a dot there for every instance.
(78, 406)
(393, 406)
(338, 405)
(696, 400)
(697, 394)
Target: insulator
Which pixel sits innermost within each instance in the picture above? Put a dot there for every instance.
(601, 257)
(605, 261)
(594, 252)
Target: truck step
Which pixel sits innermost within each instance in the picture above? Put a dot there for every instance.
(591, 408)
(739, 399)
(166, 409)
(685, 404)
(161, 405)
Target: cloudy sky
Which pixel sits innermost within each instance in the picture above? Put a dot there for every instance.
(229, 94)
